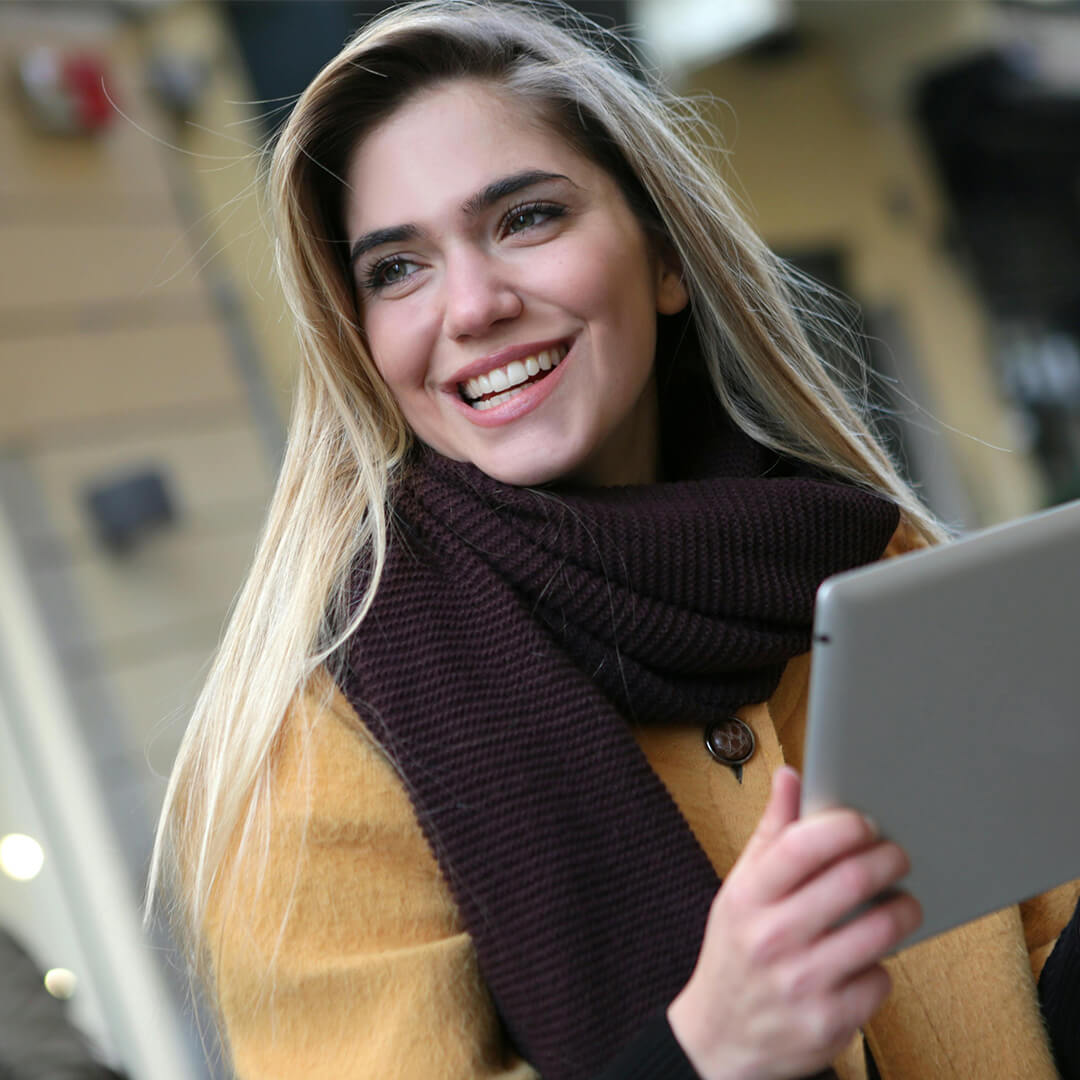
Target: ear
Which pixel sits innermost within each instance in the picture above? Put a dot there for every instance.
(671, 292)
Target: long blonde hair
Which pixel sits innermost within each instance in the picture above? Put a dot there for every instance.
(347, 436)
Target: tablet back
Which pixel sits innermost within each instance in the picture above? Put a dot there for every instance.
(945, 704)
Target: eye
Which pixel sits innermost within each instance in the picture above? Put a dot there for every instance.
(389, 271)
(522, 218)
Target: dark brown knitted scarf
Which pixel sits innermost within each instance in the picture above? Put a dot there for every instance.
(513, 635)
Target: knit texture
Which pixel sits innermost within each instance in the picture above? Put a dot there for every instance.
(513, 634)
(653, 1054)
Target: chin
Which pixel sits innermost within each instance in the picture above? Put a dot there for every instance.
(527, 473)
(524, 476)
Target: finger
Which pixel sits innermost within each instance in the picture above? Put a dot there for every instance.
(857, 1000)
(864, 994)
(781, 810)
(825, 1025)
(861, 943)
(805, 848)
(840, 888)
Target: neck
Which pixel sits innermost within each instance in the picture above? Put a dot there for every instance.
(631, 454)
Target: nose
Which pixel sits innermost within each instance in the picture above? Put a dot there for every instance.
(477, 294)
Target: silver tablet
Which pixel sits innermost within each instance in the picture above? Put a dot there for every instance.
(945, 705)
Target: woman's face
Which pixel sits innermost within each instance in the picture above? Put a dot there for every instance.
(507, 292)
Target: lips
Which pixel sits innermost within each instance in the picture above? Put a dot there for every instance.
(500, 407)
(500, 384)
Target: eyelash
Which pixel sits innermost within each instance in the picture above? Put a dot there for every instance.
(552, 210)
(373, 279)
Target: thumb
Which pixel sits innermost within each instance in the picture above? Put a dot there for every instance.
(782, 808)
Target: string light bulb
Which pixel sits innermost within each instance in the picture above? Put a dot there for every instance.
(60, 983)
(21, 857)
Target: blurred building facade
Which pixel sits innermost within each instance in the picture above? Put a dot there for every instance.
(146, 358)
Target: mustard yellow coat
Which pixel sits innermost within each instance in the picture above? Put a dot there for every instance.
(344, 955)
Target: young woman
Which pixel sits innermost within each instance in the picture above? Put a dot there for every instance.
(513, 682)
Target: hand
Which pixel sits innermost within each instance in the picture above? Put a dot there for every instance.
(779, 988)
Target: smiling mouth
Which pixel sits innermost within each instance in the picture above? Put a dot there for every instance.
(501, 384)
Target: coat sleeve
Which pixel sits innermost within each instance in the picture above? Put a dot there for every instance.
(1059, 989)
(336, 950)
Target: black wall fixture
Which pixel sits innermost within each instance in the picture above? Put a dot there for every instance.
(127, 508)
(1007, 146)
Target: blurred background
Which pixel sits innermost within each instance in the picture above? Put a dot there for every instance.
(922, 156)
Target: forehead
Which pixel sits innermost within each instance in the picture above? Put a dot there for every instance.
(443, 146)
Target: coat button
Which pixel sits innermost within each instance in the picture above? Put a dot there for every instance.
(730, 741)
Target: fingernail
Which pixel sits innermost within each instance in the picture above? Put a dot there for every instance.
(872, 826)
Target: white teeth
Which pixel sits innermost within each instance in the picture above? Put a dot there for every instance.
(505, 382)
(498, 399)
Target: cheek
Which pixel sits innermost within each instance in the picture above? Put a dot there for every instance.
(396, 348)
(610, 284)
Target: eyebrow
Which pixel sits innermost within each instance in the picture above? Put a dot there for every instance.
(475, 204)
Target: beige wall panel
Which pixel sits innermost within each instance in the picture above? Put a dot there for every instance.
(815, 170)
(154, 700)
(886, 43)
(144, 601)
(77, 264)
(119, 163)
(226, 133)
(60, 177)
(49, 382)
(212, 473)
(33, 23)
